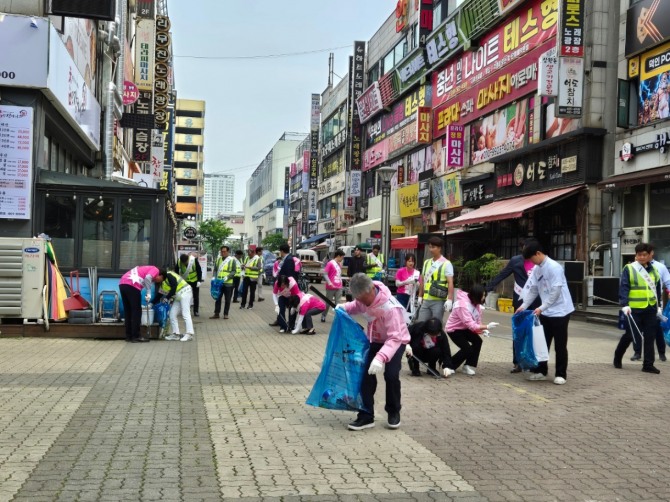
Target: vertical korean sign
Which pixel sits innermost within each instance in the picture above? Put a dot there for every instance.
(157, 156)
(455, 146)
(16, 151)
(571, 58)
(142, 137)
(145, 40)
(315, 119)
(571, 35)
(357, 75)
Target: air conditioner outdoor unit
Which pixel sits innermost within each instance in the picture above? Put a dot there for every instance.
(22, 277)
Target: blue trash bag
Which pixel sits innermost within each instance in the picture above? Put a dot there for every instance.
(162, 314)
(665, 324)
(240, 290)
(338, 386)
(215, 288)
(522, 333)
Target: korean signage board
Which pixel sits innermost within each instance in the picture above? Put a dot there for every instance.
(16, 161)
(312, 204)
(425, 8)
(27, 45)
(517, 36)
(72, 95)
(314, 141)
(514, 82)
(402, 113)
(287, 182)
(647, 25)
(445, 41)
(661, 143)
(354, 185)
(375, 155)
(455, 147)
(423, 125)
(504, 6)
(570, 87)
(369, 103)
(501, 132)
(145, 40)
(142, 137)
(333, 166)
(339, 141)
(654, 88)
(331, 186)
(571, 33)
(408, 201)
(425, 200)
(446, 192)
(145, 8)
(547, 73)
(358, 76)
(479, 190)
(157, 156)
(411, 69)
(130, 93)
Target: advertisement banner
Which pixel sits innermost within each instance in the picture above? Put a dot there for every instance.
(411, 69)
(312, 204)
(141, 137)
(416, 164)
(369, 103)
(517, 80)
(287, 184)
(571, 34)
(16, 162)
(354, 184)
(27, 45)
(647, 24)
(446, 192)
(358, 72)
(145, 40)
(570, 87)
(506, 44)
(315, 118)
(331, 186)
(547, 73)
(408, 201)
(479, 190)
(444, 42)
(157, 155)
(423, 125)
(503, 131)
(375, 155)
(333, 166)
(437, 157)
(425, 201)
(401, 114)
(455, 147)
(555, 126)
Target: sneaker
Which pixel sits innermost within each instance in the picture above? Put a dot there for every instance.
(261, 299)
(559, 380)
(617, 363)
(186, 338)
(196, 315)
(662, 357)
(173, 338)
(468, 370)
(243, 307)
(282, 331)
(215, 316)
(274, 323)
(537, 377)
(651, 369)
(225, 317)
(323, 318)
(636, 357)
(394, 420)
(363, 423)
(451, 372)
(250, 308)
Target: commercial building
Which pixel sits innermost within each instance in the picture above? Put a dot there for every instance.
(219, 195)
(189, 158)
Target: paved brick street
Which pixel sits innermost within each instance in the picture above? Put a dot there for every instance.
(224, 417)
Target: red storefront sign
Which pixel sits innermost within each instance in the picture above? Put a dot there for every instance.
(375, 155)
(369, 103)
(518, 36)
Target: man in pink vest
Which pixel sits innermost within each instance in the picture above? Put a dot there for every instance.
(130, 287)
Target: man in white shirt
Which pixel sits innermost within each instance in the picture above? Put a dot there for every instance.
(548, 280)
(439, 273)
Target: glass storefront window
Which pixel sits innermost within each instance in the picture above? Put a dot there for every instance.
(633, 207)
(659, 204)
(135, 233)
(59, 224)
(98, 232)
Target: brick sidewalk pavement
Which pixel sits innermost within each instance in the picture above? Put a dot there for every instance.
(224, 418)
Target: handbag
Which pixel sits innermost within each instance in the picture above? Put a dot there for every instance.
(436, 289)
(539, 341)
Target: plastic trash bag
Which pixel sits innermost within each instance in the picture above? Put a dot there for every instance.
(162, 313)
(665, 325)
(215, 288)
(338, 386)
(522, 333)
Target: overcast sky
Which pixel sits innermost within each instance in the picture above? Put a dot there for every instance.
(251, 102)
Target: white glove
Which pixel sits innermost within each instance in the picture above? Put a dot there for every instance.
(147, 297)
(492, 325)
(408, 350)
(486, 333)
(197, 284)
(448, 305)
(339, 306)
(447, 372)
(376, 366)
(277, 309)
(625, 310)
(419, 301)
(659, 312)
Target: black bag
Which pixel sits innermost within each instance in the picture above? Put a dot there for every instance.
(436, 289)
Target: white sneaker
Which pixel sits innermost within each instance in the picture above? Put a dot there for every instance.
(559, 380)
(173, 338)
(282, 331)
(186, 338)
(537, 377)
(468, 370)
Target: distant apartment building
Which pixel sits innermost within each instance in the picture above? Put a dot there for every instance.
(189, 157)
(219, 195)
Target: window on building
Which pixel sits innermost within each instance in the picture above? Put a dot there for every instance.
(98, 232)
(135, 233)
(389, 62)
(633, 207)
(59, 224)
(373, 74)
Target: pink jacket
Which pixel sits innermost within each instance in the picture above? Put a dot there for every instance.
(465, 315)
(386, 321)
(334, 273)
(140, 277)
(292, 289)
(308, 302)
(402, 275)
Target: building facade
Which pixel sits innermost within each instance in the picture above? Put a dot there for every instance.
(219, 195)
(189, 158)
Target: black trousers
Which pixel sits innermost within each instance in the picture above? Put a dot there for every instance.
(556, 329)
(131, 299)
(249, 289)
(660, 341)
(307, 321)
(392, 378)
(649, 325)
(470, 344)
(196, 296)
(236, 288)
(431, 357)
(226, 295)
(283, 318)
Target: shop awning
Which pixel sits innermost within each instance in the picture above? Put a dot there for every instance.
(511, 208)
(635, 178)
(314, 239)
(411, 242)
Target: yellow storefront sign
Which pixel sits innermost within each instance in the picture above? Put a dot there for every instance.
(397, 229)
(408, 201)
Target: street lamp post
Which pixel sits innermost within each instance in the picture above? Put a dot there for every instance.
(242, 236)
(294, 230)
(385, 174)
(260, 233)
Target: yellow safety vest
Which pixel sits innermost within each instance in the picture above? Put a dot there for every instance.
(192, 275)
(439, 275)
(165, 285)
(252, 262)
(238, 273)
(227, 268)
(370, 260)
(640, 295)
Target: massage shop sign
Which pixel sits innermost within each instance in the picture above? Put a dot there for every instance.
(503, 69)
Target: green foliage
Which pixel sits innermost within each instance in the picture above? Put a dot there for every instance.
(273, 241)
(214, 233)
(479, 270)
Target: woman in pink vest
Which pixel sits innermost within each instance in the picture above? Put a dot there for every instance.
(305, 308)
(130, 287)
(332, 274)
(281, 291)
